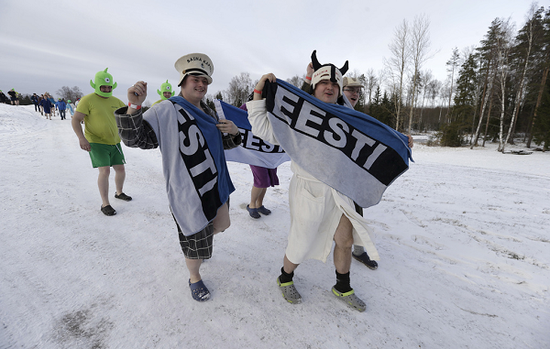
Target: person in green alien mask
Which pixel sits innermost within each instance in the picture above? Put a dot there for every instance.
(165, 92)
(100, 136)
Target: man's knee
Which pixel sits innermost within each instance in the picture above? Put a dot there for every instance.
(222, 221)
(343, 239)
(119, 169)
(222, 224)
(104, 170)
(344, 242)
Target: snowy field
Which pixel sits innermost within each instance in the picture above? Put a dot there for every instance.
(463, 237)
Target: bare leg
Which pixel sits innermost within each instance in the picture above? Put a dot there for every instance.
(194, 265)
(103, 184)
(257, 197)
(120, 176)
(288, 266)
(342, 250)
(222, 221)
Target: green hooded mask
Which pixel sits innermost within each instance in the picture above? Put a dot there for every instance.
(103, 78)
(165, 87)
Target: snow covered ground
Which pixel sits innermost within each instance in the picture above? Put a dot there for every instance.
(463, 237)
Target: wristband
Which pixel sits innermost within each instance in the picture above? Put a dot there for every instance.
(308, 77)
(258, 92)
(135, 106)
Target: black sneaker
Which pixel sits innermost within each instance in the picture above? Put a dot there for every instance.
(108, 210)
(123, 196)
(365, 259)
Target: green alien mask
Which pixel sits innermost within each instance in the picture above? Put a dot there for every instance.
(165, 87)
(103, 78)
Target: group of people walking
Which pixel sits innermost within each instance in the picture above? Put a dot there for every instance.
(46, 105)
(192, 139)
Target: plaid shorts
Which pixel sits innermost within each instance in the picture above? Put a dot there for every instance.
(199, 245)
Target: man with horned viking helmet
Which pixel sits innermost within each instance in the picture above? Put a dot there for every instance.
(319, 214)
(352, 90)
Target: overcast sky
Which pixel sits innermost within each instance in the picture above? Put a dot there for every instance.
(44, 46)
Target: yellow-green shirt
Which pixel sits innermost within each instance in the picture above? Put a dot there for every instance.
(100, 123)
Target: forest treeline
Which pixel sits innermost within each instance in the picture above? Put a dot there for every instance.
(497, 90)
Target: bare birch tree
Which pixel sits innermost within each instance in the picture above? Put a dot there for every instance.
(487, 61)
(528, 33)
(420, 43)
(452, 65)
(371, 82)
(397, 65)
(503, 67)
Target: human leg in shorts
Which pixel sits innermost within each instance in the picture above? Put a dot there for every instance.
(263, 179)
(198, 247)
(104, 156)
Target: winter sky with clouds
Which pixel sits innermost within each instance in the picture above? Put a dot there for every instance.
(45, 46)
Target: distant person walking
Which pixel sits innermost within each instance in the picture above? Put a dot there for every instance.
(100, 137)
(13, 97)
(52, 103)
(40, 99)
(70, 107)
(46, 107)
(61, 106)
(35, 101)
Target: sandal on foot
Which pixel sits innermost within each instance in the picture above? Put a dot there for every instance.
(264, 210)
(199, 292)
(123, 196)
(108, 210)
(365, 259)
(290, 293)
(253, 212)
(350, 299)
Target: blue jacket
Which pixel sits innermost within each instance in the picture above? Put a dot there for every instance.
(46, 104)
(61, 105)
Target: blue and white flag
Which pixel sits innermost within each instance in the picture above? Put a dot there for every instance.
(350, 151)
(253, 150)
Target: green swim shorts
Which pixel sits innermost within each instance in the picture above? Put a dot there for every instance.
(106, 155)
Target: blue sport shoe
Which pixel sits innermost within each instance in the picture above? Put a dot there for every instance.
(253, 212)
(264, 210)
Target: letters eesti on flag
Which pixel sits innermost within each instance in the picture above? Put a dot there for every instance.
(253, 150)
(350, 151)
